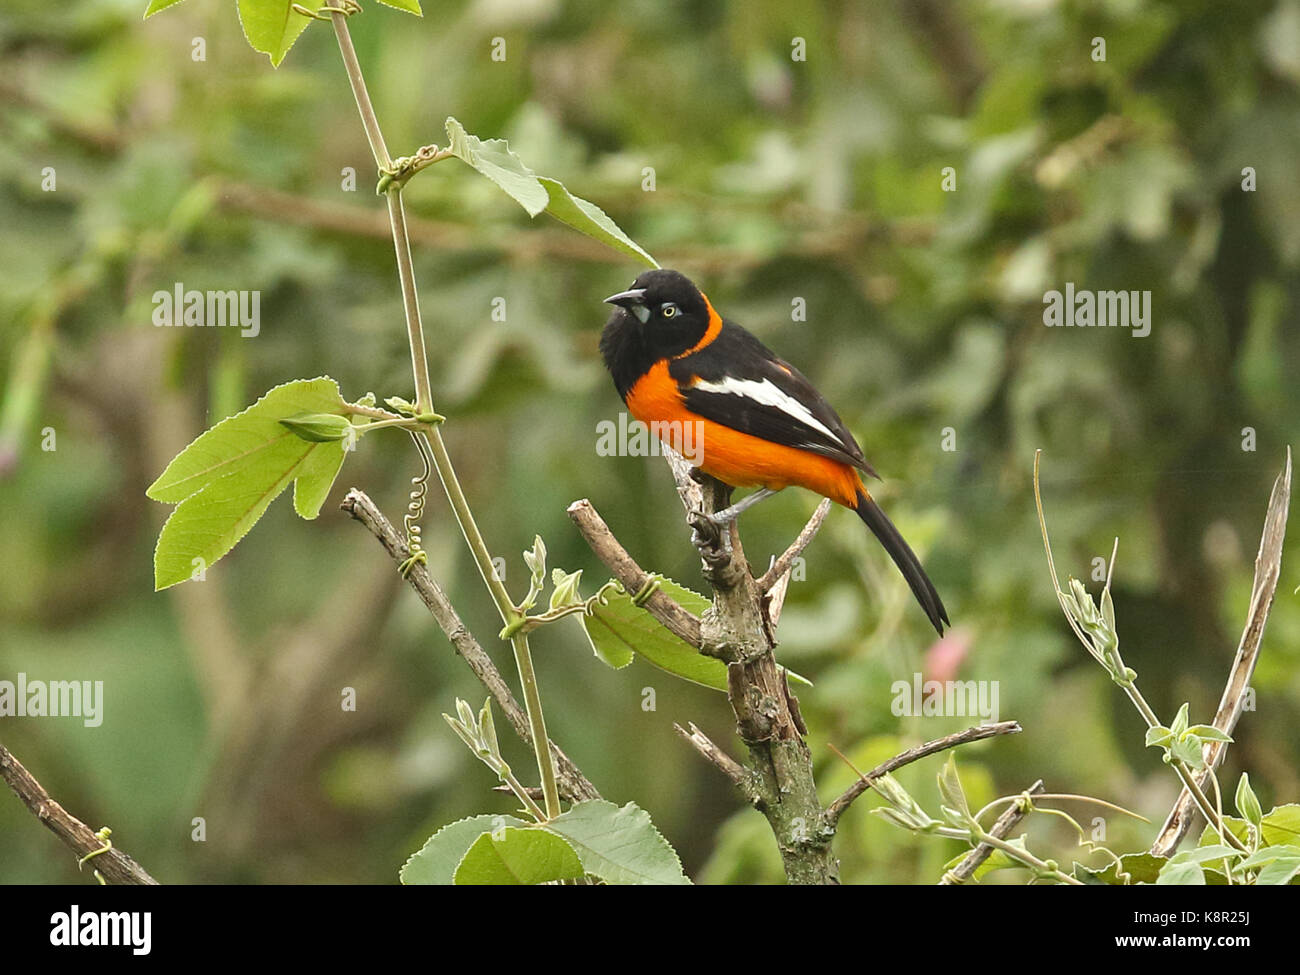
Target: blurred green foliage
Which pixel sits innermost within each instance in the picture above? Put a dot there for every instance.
(774, 179)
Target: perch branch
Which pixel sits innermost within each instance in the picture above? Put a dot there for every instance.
(623, 567)
(572, 782)
(864, 782)
(113, 865)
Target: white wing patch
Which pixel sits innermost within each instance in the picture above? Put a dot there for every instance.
(766, 393)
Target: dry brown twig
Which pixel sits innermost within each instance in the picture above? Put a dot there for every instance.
(1268, 569)
(110, 862)
(573, 784)
(1005, 824)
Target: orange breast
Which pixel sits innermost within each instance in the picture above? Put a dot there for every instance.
(735, 458)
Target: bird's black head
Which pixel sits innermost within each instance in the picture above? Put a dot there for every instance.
(662, 315)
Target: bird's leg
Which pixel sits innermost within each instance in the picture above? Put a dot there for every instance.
(728, 515)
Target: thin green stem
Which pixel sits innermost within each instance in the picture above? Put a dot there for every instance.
(368, 118)
(424, 404)
(536, 723)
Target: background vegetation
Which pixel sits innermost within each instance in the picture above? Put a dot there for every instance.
(775, 179)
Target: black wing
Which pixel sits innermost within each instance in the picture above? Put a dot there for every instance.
(737, 381)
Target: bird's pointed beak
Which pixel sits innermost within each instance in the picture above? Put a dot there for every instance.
(634, 301)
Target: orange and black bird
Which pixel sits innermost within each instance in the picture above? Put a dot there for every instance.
(677, 363)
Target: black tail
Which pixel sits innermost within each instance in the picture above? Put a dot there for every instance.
(905, 559)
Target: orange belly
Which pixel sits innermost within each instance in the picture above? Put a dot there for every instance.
(735, 458)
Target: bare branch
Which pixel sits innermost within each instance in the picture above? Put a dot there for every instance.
(113, 865)
(728, 766)
(977, 733)
(782, 565)
(572, 782)
(624, 568)
(1268, 568)
(1004, 825)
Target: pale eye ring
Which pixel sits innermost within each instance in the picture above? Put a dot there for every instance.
(669, 310)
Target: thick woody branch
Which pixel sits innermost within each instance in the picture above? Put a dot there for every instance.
(864, 782)
(623, 567)
(1004, 825)
(113, 865)
(1268, 568)
(573, 784)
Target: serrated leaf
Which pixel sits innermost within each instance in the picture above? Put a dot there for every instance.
(1204, 854)
(517, 857)
(618, 630)
(157, 5)
(1141, 868)
(226, 479)
(246, 439)
(1182, 874)
(409, 6)
(618, 845)
(271, 26)
(1282, 825)
(498, 162)
(436, 861)
(495, 160)
(585, 217)
(1280, 871)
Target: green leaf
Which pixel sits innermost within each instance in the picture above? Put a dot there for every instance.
(950, 786)
(618, 629)
(1237, 827)
(1204, 854)
(271, 26)
(157, 5)
(315, 478)
(410, 6)
(1159, 736)
(585, 217)
(1181, 874)
(317, 427)
(495, 160)
(1247, 802)
(1280, 871)
(1180, 721)
(1207, 732)
(226, 479)
(1282, 825)
(518, 857)
(436, 861)
(1189, 750)
(618, 845)
(1141, 868)
(247, 439)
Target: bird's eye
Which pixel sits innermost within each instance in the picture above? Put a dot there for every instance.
(668, 310)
